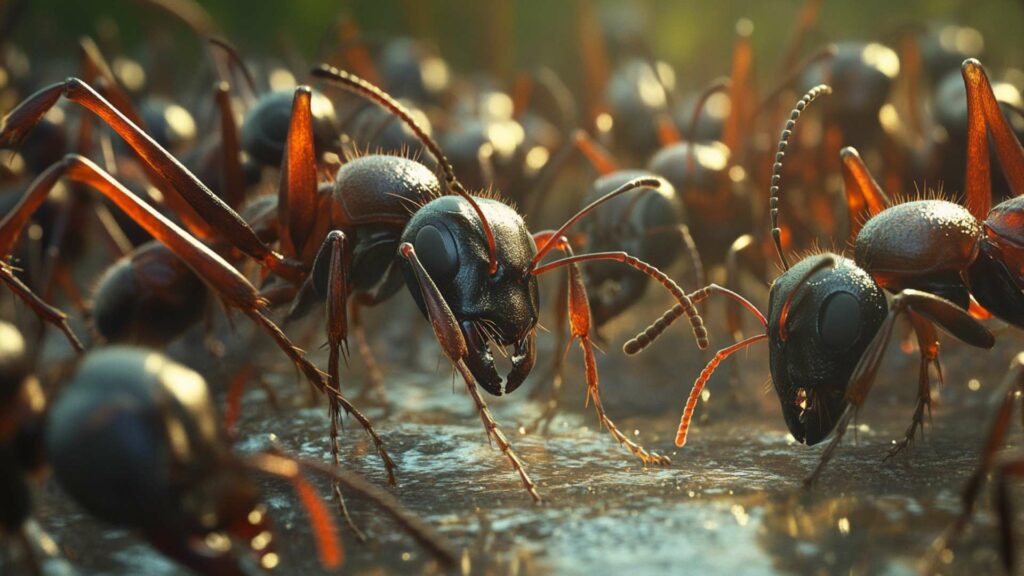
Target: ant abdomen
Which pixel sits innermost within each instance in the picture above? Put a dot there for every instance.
(147, 297)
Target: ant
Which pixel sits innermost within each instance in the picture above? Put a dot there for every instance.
(829, 323)
(158, 463)
(150, 276)
(469, 262)
(334, 243)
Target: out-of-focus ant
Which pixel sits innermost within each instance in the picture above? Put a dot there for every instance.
(828, 322)
(157, 461)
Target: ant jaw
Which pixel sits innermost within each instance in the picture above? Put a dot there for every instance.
(480, 360)
(801, 402)
(811, 413)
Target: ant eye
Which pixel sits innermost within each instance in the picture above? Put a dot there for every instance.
(839, 320)
(436, 248)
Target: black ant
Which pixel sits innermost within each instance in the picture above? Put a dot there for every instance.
(828, 322)
(157, 462)
(476, 281)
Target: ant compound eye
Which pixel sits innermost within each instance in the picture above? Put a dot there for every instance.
(438, 251)
(839, 320)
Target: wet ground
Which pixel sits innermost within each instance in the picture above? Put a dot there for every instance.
(730, 503)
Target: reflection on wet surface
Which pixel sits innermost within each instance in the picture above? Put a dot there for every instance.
(731, 502)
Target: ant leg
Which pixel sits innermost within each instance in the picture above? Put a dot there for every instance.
(547, 415)
(598, 156)
(740, 91)
(928, 308)
(928, 343)
(232, 185)
(233, 288)
(44, 311)
(864, 197)
(95, 69)
(594, 55)
(1012, 384)
(744, 252)
(217, 220)
(287, 467)
(984, 118)
(297, 195)
(579, 323)
(1010, 465)
(331, 260)
(449, 336)
(373, 372)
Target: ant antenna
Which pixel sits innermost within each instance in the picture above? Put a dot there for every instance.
(715, 87)
(357, 85)
(235, 59)
(773, 192)
(641, 182)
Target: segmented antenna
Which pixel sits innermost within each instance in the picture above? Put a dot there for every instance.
(357, 85)
(641, 182)
(773, 192)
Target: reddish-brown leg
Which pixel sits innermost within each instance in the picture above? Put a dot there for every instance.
(453, 343)
(928, 343)
(598, 156)
(218, 220)
(233, 288)
(297, 195)
(740, 90)
(332, 254)
(96, 69)
(375, 378)
(232, 180)
(284, 466)
(594, 56)
(864, 197)
(984, 118)
(579, 323)
(1011, 387)
(44, 311)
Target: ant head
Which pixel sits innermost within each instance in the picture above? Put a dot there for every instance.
(264, 131)
(623, 223)
(171, 125)
(497, 309)
(862, 75)
(414, 70)
(638, 94)
(492, 293)
(822, 314)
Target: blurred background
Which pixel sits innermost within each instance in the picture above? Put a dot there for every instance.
(692, 35)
